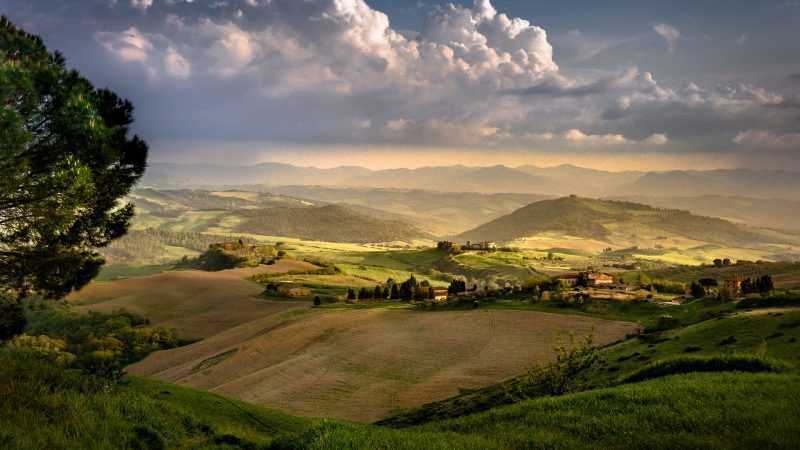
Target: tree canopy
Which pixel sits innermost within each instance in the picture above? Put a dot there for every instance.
(66, 160)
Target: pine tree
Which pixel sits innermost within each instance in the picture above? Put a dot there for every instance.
(66, 161)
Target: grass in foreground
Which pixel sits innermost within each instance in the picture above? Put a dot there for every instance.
(728, 410)
(43, 406)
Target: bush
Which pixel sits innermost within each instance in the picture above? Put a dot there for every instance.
(12, 318)
(773, 301)
(690, 364)
(571, 359)
(667, 322)
(42, 347)
(103, 344)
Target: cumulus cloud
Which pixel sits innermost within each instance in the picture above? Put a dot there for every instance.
(176, 65)
(153, 52)
(129, 45)
(669, 33)
(330, 70)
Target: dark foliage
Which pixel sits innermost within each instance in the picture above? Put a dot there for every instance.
(66, 159)
(12, 318)
(689, 364)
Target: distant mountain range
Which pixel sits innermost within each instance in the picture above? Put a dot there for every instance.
(558, 180)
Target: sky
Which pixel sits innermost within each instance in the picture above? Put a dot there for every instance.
(615, 85)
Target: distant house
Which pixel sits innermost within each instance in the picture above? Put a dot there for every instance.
(568, 279)
(485, 246)
(734, 285)
(440, 294)
(588, 278)
(596, 278)
(294, 291)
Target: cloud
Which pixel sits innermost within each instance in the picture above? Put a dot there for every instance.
(576, 138)
(656, 139)
(669, 33)
(338, 71)
(142, 4)
(153, 52)
(768, 139)
(129, 46)
(176, 65)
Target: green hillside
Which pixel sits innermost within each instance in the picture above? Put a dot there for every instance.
(43, 406)
(710, 410)
(615, 222)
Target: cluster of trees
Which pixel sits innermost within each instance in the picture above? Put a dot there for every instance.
(758, 285)
(379, 293)
(457, 286)
(697, 290)
(408, 290)
(724, 262)
(147, 246)
(449, 247)
(100, 344)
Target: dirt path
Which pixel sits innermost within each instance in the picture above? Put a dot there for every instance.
(365, 364)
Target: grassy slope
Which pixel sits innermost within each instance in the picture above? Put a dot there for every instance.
(43, 406)
(701, 410)
(328, 223)
(711, 410)
(774, 334)
(685, 411)
(628, 224)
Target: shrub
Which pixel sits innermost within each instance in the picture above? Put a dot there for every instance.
(42, 347)
(102, 343)
(12, 318)
(571, 359)
(690, 364)
(778, 300)
(667, 322)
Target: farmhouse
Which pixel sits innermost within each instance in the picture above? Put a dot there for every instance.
(596, 278)
(568, 280)
(293, 291)
(440, 293)
(734, 285)
(585, 279)
(485, 246)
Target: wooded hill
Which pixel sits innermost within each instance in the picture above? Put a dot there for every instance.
(611, 221)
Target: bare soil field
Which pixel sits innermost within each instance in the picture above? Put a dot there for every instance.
(197, 304)
(363, 365)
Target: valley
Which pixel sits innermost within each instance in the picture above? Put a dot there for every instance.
(399, 225)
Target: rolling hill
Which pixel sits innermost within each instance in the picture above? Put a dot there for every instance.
(443, 213)
(327, 363)
(331, 223)
(760, 212)
(619, 223)
(233, 212)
